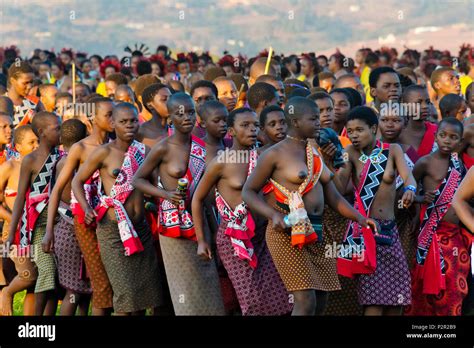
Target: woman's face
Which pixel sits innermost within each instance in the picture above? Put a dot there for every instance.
(43, 71)
(109, 71)
(306, 67)
(360, 134)
(65, 59)
(56, 71)
(342, 107)
(23, 83)
(86, 67)
(155, 69)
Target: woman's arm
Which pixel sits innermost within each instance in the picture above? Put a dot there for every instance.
(210, 178)
(405, 173)
(88, 168)
(141, 179)
(262, 172)
(23, 184)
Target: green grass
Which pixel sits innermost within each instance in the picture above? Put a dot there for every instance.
(18, 303)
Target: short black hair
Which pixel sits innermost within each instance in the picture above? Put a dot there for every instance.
(346, 93)
(18, 68)
(299, 92)
(143, 67)
(124, 105)
(371, 58)
(298, 106)
(292, 84)
(450, 102)
(375, 74)
(363, 113)
(319, 95)
(150, 92)
(233, 115)
(20, 132)
(72, 131)
(176, 97)
(204, 84)
(266, 111)
(268, 78)
(356, 98)
(259, 92)
(453, 121)
(205, 109)
(40, 119)
(118, 78)
(413, 88)
(94, 103)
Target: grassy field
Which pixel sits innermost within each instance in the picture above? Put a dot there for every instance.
(18, 303)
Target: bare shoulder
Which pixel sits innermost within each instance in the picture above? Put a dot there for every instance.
(6, 167)
(161, 146)
(217, 164)
(421, 164)
(396, 149)
(76, 149)
(102, 151)
(351, 152)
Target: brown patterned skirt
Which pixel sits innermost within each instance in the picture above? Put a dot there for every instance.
(135, 279)
(193, 282)
(101, 288)
(302, 269)
(260, 291)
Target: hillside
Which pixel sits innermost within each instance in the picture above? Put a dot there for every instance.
(103, 26)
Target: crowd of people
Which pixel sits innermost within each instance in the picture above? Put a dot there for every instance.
(179, 184)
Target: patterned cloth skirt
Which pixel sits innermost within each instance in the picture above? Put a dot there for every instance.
(344, 301)
(193, 282)
(69, 257)
(302, 269)
(101, 288)
(454, 244)
(390, 284)
(260, 291)
(135, 278)
(44, 261)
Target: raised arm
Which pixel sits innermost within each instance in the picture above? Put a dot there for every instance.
(262, 172)
(23, 184)
(94, 162)
(342, 176)
(210, 178)
(464, 193)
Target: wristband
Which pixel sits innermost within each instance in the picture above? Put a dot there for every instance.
(409, 188)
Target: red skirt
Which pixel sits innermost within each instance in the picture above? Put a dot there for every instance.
(454, 245)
